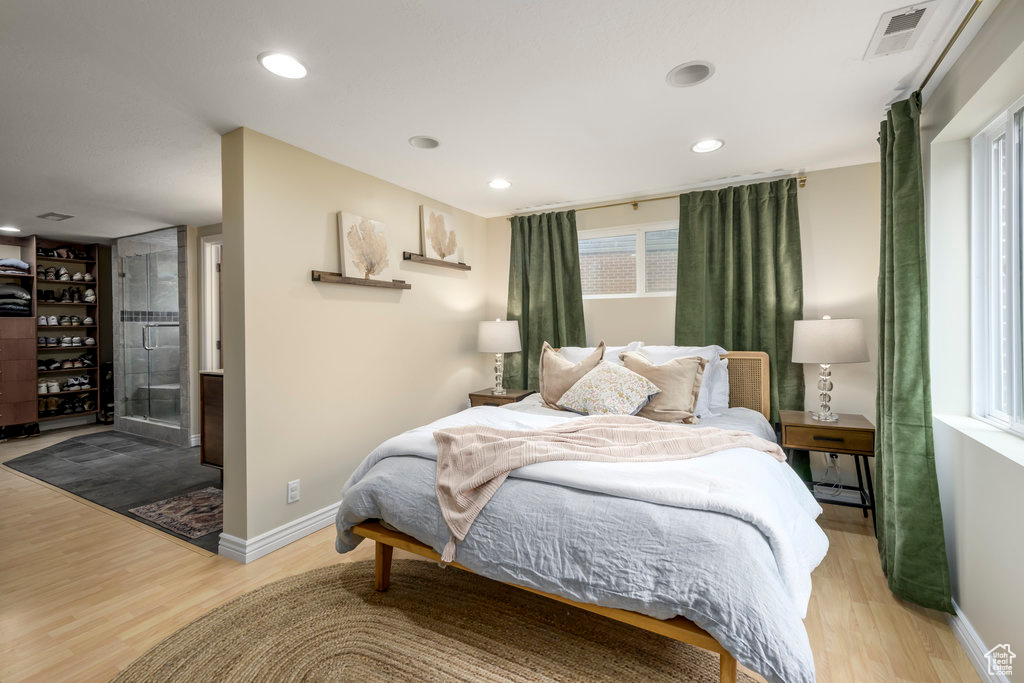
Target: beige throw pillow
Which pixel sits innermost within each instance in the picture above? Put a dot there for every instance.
(555, 374)
(679, 380)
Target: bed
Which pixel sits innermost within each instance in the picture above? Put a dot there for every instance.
(737, 587)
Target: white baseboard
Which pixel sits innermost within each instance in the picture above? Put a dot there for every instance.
(246, 550)
(194, 440)
(972, 644)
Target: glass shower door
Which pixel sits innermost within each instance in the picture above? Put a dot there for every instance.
(152, 354)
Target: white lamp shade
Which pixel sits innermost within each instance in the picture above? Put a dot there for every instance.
(498, 336)
(832, 340)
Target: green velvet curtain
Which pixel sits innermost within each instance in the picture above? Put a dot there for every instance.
(544, 291)
(740, 278)
(909, 519)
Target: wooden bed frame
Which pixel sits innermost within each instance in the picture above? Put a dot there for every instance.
(748, 388)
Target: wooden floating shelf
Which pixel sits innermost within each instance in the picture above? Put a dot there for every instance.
(64, 417)
(338, 278)
(58, 259)
(420, 258)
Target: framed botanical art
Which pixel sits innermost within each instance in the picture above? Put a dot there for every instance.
(438, 238)
(363, 246)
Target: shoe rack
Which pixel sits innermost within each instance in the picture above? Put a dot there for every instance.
(65, 300)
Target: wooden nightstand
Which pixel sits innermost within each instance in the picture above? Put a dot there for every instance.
(487, 397)
(851, 435)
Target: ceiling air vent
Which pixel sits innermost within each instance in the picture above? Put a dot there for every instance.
(898, 31)
(54, 216)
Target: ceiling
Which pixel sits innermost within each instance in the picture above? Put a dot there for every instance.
(111, 110)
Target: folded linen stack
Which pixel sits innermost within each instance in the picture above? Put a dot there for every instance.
(14, 300)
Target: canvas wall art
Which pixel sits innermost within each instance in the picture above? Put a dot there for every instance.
(438, 237)
(363, 243)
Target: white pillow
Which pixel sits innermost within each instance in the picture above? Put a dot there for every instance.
(575, 354)
(609, 389)
(663, 354)
(719, 398)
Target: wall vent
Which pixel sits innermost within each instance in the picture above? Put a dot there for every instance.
(54, 216)
(898, 31)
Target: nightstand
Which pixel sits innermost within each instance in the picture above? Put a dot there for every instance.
(851, 435)
(487, 397)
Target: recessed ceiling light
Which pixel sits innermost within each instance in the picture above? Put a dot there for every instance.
(499, 184)
(709, 145)
(283, 65)
(689, 74)
(54, 216)
(424, 142)
(10, 228)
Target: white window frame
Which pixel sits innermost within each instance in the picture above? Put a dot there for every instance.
(640, 230)
(986, 290)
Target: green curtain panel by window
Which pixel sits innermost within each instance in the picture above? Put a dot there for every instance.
(544, 291)
(740, 278)
(910, 537)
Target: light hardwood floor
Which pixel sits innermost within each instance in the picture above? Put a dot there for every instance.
(84, 591)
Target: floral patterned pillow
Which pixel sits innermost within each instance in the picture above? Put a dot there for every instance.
(609, 389)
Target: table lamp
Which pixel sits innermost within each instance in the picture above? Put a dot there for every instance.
(498, 337)
(827, 341)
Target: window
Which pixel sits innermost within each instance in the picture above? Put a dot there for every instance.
(610, 267)
(998, 365)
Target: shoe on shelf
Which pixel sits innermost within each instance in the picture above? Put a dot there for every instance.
(67, 364)
(52, 341)
(65, 297)
(76, 295)
(40, 273)
(83, 382)
(64, 321)
(71, 384)
(77, 363)
(89, 296)
(88, 321)
(89, 341)
(87, 361)
(65, 341)
(63, 275)
(52, 386)
(76, 341)
(42, 321)
(88, 277)
(41, 341)
(77, 277)
(42, 367)
(76, 321)
(50, 273)
(42, 386)
(52, 320)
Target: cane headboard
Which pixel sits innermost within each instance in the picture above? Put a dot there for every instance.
(749, 383)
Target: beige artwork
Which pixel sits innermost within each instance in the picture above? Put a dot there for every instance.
(363, 245)
(438, 236)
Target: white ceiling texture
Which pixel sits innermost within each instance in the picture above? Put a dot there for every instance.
(111, 110)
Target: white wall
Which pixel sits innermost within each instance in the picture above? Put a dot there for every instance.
(839, 229)
(316, 375)
(980, 469)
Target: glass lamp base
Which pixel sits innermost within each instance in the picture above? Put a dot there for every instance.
(499, 370)
(825, 417)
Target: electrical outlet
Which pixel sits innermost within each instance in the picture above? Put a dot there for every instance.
(293, 491)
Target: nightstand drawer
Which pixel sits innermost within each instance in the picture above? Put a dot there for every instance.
(825, 439)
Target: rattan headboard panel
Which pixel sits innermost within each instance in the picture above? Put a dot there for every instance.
(749, 381)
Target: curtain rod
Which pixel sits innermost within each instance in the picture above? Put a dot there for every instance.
(949, 45)
(635, 203)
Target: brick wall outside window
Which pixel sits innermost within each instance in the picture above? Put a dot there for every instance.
(608, 264)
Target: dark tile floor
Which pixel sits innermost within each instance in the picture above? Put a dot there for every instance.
(121, 471)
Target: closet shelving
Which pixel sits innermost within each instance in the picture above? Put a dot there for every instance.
(17, 338)
(82, 310)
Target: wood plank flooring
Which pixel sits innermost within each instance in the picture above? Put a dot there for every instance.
(84, 591)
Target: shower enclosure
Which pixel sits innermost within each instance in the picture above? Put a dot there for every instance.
(151, 342)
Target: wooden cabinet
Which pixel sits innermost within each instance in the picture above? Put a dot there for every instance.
(211, 419)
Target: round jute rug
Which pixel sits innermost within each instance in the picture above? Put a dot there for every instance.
(432, 624)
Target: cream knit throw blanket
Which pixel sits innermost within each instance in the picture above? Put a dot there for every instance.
(473, 461)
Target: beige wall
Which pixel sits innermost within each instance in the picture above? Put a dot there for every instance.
(980, 468)
(839, 239)
(326, 371)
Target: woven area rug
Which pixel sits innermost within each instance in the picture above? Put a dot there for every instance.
(193, 514)
(432, 624)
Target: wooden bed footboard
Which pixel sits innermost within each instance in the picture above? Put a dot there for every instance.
(677, 628)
